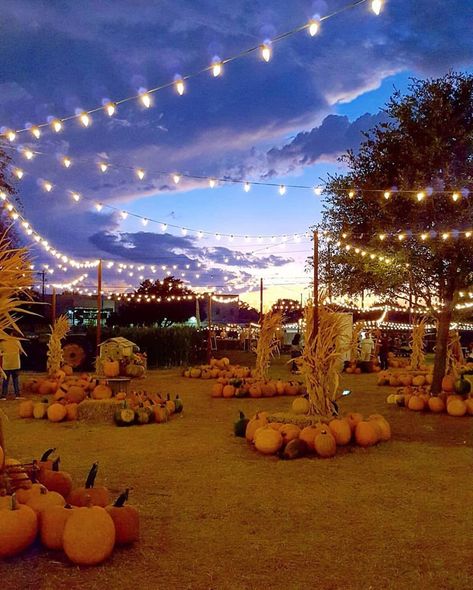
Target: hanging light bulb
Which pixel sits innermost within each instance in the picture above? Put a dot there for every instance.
(145, 221)
(247, 187)
(47, 186)
(103, 167)
(66, 162)
(123, 214)
(76, 197)
(376, 6)
(164, 227)
(318, 191)
(184, 231)
(110, 108)
(217, 67)
(176, 178)
(382, 237)
(468, 234)
(28, 154)
(351, 194)
(424, 236)
(455, 197)
(218, 236)
(212, 183)
(35, 132)
(386, 195)
(314, 27)
(445, 236)
(98, 207)
(145, 99)
(11, 135)
(282, 190)
(420, 196)
(180, 86)
(400, 237)
(19, 173)
(266, 52)
(140, 173)
(85, 119)
(200, 235)
(56, 124)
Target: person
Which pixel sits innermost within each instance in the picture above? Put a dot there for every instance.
(384, 349)
(295, 351)
(10, 349)
(367, 347)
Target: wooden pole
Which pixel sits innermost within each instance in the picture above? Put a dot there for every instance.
(53, 307)
(329, 273)
(316, 283)
(261, 301)
(209, 325)
(99, 305)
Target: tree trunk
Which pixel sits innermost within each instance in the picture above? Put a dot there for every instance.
(441, 342)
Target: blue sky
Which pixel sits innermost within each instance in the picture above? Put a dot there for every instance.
(285, 121)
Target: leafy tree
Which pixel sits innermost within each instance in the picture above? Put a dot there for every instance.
(247, 314)
(426, 147)
(7, 187)
(290, 309)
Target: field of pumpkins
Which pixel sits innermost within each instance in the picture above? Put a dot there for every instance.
(251, 387)
(218, 368)
(41, 505)
(455, 398)
(290, 441)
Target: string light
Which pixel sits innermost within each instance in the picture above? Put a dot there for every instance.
(386, 195)
(145, 99)
(282, 190)
(140, 173)
(18, 172)
(212, 182)
(99, 207)
(28, 154)
(110, 108)
(351, 194)
(66, 162)
(35, 132)
(56, 124)
(85, 119)
(318, 191)
(455, 197)
(420, 196)
(266, 52)
(145, 221)
(247, 187)
(314, 27)
(180, 86)
(376, 6)
(47, 186)
(103, 167)
(217, 67)
(123, 214)
(76, 197)
(11, 135)
(176, 178)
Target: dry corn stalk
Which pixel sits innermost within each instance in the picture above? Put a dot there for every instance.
(267, 343)
(321, 359)
(355, 348)
(455, 357)
(55, 356)
(417, 345)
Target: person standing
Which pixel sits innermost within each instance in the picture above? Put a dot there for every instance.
(367, 347)
(295, 352)
(384, 349)
(10, 349)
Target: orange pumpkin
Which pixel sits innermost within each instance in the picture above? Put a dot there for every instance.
(18, 528)
(300, 405)
(448, 383)
(436, 405)
(268, 441)
(340, 430)
(366, 434)
(71, 411)
(75, 394)
(456, 407)
(228, 391)
(292, 388)
(24, 494)
(40, 501)
(126, 520)
(416, 403)
(289, 432)
(56, 412)
(418, 381)
(55, 480)
(257, 422)
(89, 494)
(353, 419)
(255, 390)
(217, 390)
(384, 429)
(52, 522)
(468, 402)
(308, 434)
(111, 369)
(25, 409)
(102, 391)
(324, 444)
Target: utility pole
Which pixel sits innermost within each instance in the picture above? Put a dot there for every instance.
(53, 307)
(43, 281)
(329, 269)
(209, 325)
(261, 300)
(99, 305)
(316, 283)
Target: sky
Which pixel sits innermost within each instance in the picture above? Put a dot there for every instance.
(283, 122)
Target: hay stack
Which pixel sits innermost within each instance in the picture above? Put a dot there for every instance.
(97, 411)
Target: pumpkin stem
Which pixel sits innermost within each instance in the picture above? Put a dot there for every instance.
(46, 454)
(13, 502)
(242, 415)
(34, 471)
(68, 506)
(55, 465)
(122, 498)
(89, 482)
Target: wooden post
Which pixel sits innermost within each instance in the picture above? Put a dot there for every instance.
(53, 307)
(316, 283)
(329, 269)
(209, 325)
(261, 301)
(99, 305)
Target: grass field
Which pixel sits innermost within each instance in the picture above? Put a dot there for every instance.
(216, 515)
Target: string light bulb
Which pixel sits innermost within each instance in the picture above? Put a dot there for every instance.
(180, 86)
(420, 196)
(110, 108)
(314, 27)
(66, 162)
(103, 167)
(76, 197)
(85, 119)
(351, 194)
(424, 236)
(56, 124)
(266, 52)
(19, 173)
(282, 190)
(98, 207)
(247, 187)
(47, 186)
(376, 6)
(123, 214)
(164, 227)
(176, 178)
(445, 236)
(35, 132)
(387, 195)
(11, 135)
(28, 154)
(145, 99)
(212, 183)
(217, 67)
(140, 173)
(318, 191)
(455, 197)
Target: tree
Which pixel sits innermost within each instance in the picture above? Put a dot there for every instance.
(162, 302)
(7, 187)
(426, 148)
(291, 309)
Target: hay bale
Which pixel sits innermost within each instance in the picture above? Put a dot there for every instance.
(97, 411)
(298, 419)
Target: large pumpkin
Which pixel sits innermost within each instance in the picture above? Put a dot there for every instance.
(436, 405)
(89, 536)
(102, 391)
(257, 422)
(324, 444)
(340, 430)
(111, 369)
(56, 412)
(300, 405)
(75, 394)
(457, 407)
(126, 520)
(18, 528)
(289, 432)
(268, 441)
(52, 522)
(366, 434)
(25, 409)
(89, 494)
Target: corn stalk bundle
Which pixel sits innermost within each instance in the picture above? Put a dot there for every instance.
(455, 357)
(321, 359)
(267, 343)
(55, 356)
(355, 348)
(417, 345)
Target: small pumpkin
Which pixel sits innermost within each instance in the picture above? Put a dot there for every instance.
(340, 430)
(52, 522)
(55, 480)
(18, 528)
(366, 434)
(384, 429)
(40, 501)
(25, 409)
(308, 434)
(71, 411)
(416, 403)
(268, 441)
(89, 494)
(56, 412)
(456, 407)
(111, 369)
(448, 384)
(40, 409)
(102, 391)
(353, 419)
(126, 520)
(436, 404)
(300, 405)
(239, 428)
(289, 432)
(161, 413)
(257, 422)
(142, 416)
(75, 394)
(170, 405)
(124, 416)
(324, 444)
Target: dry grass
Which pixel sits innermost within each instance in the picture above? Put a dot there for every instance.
(216, 515)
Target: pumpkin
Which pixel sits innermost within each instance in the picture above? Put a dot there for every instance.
(366, 433)
(55, 480)
(75, 394)
(239, 428)
(406, 380)
(268, 441)
(349, 370)
(52, 522)
(45, 461)
(18, 528)
(416, 403)
(126, 520)
(436, 405)
(448, 383)
(292, 388)
(456, 407)
(353, 419)
(102, 391)
(301, 405)
(195, 373)
(124, 416)
(217, 390)
(170, 406)
(46, 388)
(468, 402)
(95, 496)
(89, 535)
(418, 381)
(41, 500)
(257, 422)
(228, 391)
(178, 405)
(289, 432)
(324, 444)
(25, 409)
(23, 495)
(160, 413)
(40, 409)
(295, 449)
(255, 390)
(56, 412)
(71, 411)
(462, 386)
(308, 434)
(340, 430)
(142, 416)
(384, 429)
(111, 369)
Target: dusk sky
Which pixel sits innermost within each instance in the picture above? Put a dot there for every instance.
(285, 121)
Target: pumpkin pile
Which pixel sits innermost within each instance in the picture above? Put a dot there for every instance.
(290, 441)
(81, 522)
(228, 388)
(356, 368)
(218, 368)
(413, 378)
(455, 398)
(144, 408)
(397, 362)
(133, 366)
